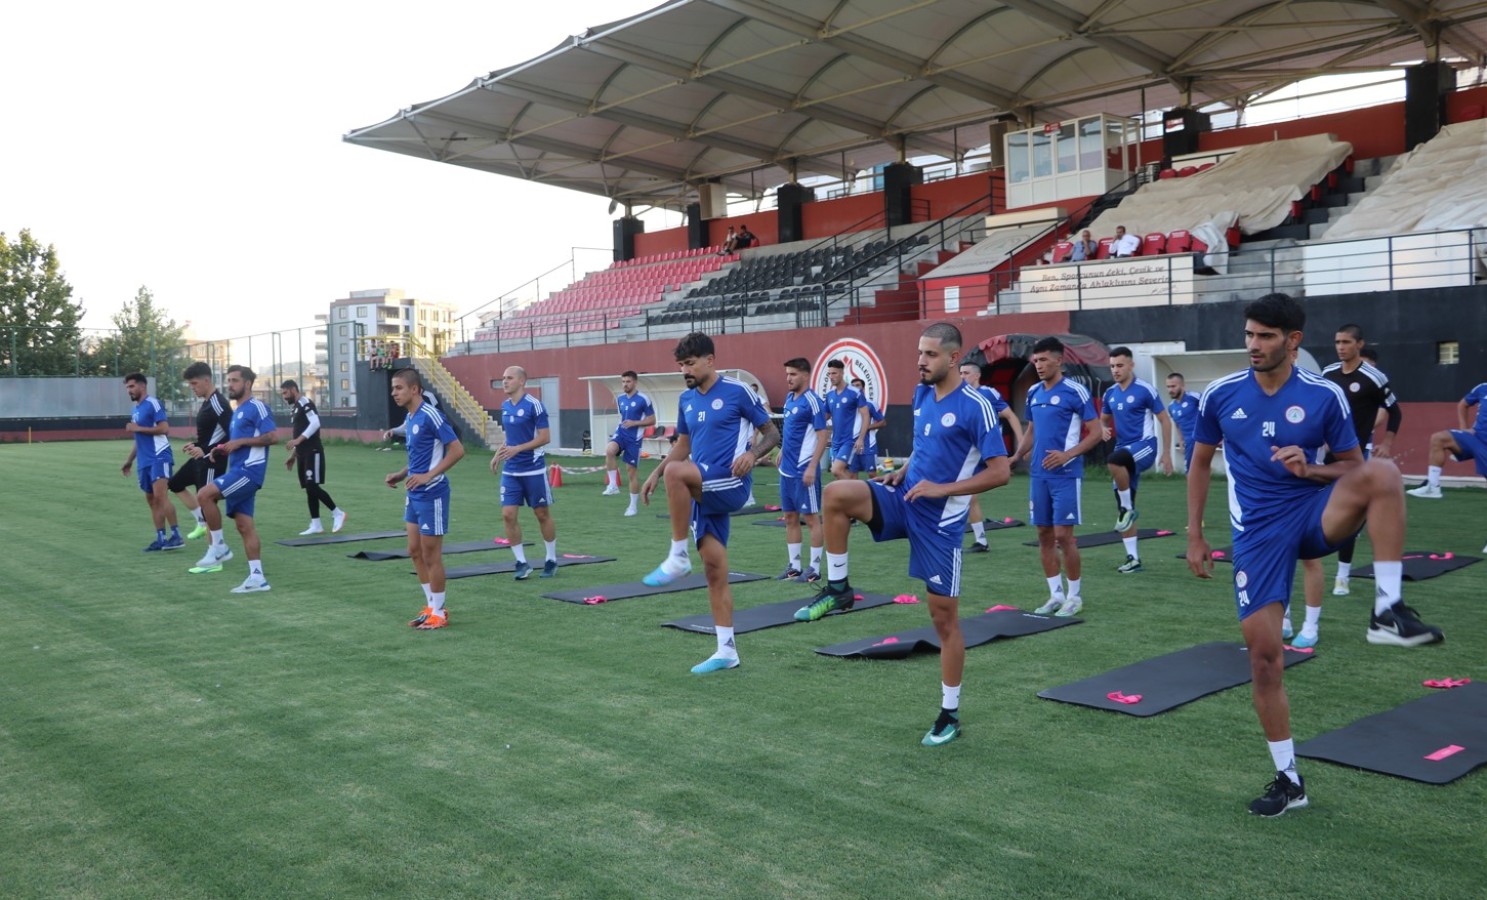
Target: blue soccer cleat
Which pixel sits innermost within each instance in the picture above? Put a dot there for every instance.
(715, 664)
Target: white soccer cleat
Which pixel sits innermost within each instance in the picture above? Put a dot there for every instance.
(1340, 587)
(252, 585)
(632, 511)
(1071, 607)
(315, 528)
(215, 557)
(337, 521)
(1427, 491)
(1051, 607)
(610, 491)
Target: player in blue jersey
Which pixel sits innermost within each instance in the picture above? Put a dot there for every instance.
(636, 414)
(867, 459)
(249, 436)
(970, 373)
(1273, 419)
(957, 454)
(433, 449)
(708, 476)
(847, 408)
(1131, 408)
(1468, 442)
(804, 434)
(1058, 411)
(1183, 411)
(151, 429)
(522, 467)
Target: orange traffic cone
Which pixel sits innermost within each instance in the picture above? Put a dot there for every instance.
(555, 476)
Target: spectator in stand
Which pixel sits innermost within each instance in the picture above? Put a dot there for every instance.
(374, 354)
(392, 351)
(1124, 244)
(1084, 248)
(746, 238)
(730, 243)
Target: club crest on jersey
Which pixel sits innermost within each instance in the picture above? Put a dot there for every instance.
(1130, 398)
(1355, 387)
(1055, 400)
(1241, 579)
(718, 403)
(415, 429)
(947, 419)
(1295, 415)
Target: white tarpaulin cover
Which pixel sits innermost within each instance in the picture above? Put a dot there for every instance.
(1438, 186)
(991, 251)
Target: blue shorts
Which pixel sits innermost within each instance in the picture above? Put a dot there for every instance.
(842, 452)
(864, 462)
(712, 514)
(1187, 455)
(1472, 447)
(430, 514)
(238, 489)
(795, 497)
(1054, 501)
(525, 490)
(1265, 552)
(934, 546)
(629, 449)
(1144, 454)
(152, 473)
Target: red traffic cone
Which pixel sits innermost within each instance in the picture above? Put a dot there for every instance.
(555, 476)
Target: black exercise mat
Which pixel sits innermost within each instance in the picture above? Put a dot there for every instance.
(1435, 739)
(999, 524)
(1219, 554)
(627, 589)
(341, 538)
(509, 566)
(1422, 564)
(1004, 622)
(770, 523)
(741, 511)
(1166, 682)
(465, 547)
(1101, 538)
(770, 615)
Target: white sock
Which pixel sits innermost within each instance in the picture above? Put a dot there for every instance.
(679, 548)
(428, 593)
(1283, 754)
(1131, 550)
(1124, 497)
(552, 550)
(1433, 476)
(255, 567)
(200, 519)
(1386, 579)
(1285, 623)
(1344, 569)
(1074, 587)
(793, 551)
(979, 529)
(726, 647)
(634, 501)
(1055, 586)
(520, 551)
(836, 566)
(217, 539)
(436, 602)
(949, 696)
(1313, 616)
(315, 523)
(816, 558)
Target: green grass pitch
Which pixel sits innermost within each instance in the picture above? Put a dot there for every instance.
(162, 737)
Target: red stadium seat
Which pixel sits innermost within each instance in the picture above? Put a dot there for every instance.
(1154, 244)
(1104, 251)
(1185, 171)
(1199, 246)
(1062, 251)
(1179, 241)
(1167, 173)
(1206, 166)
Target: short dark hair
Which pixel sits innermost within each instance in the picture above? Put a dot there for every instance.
(799, 363)
(410, 377)
(137, 377)
(1122, 351)
(289, 383)
(1178, 376)
(693, 345)
(857, 381)
(1049, 344)
(835, 364)
(1352, 331)
(1369, 352)
(196, 370)
(1277, 311)
(629, 373)
(244, 372)
(948, 335)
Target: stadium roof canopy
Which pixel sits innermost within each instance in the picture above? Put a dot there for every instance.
(756, 93)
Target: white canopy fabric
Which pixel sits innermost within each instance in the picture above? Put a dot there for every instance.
(754, 93)
(1438, 186)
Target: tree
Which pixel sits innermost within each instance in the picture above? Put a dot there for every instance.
(146, 340)
(39, 333)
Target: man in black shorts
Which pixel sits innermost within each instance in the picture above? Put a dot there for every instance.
(306, 450)
(212, 420)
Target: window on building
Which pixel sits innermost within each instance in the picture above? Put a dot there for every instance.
(361, 312)
(345, 349)
(345, 384)
(345, 330)
(343, 312)
(345, 366)
(1448, 353)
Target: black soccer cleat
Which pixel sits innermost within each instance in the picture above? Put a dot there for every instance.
(1281, 795)
(979, 547)
(1400, 626)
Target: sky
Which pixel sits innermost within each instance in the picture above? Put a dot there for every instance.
(195, 149)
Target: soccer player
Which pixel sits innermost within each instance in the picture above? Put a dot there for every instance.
(970, 374)
(867, 460)
(213, 419)
(1057, 410)
(433, 449)
(1467, 442)
(306, 449)
(845, 404)
(636, 414)
(802, 443)
(1183, 410)
(1272, 419)
(249, 436)
(524, 474)
(1368, 392)
(1130, 407)
(708, 475)
(957, 454)
(151, 429)
(401, 429)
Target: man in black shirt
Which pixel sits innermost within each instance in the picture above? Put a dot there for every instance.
(212, 420)
(306, 450)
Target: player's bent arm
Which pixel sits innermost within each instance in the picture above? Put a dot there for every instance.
(454, 451)
(1089, 443)
(1345, 462)
(1463, 415)
(1024, 444)
(1013, 423)
(874, 426)
(161, 427)
(998, 472)
(767, 439)
(394, 477)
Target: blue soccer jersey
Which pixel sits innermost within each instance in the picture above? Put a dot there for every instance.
(150, 449)
(1058, 415)
(991, 393)
(522, 419)
(1184, 413)
(1478, 396)
(952, 438)
(633, 408)
(800, 431)
(720, 425)
(869, 443)
(251, 419)
(1134, 411)
(429, 433)
(843, 406)
(1308, 411)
